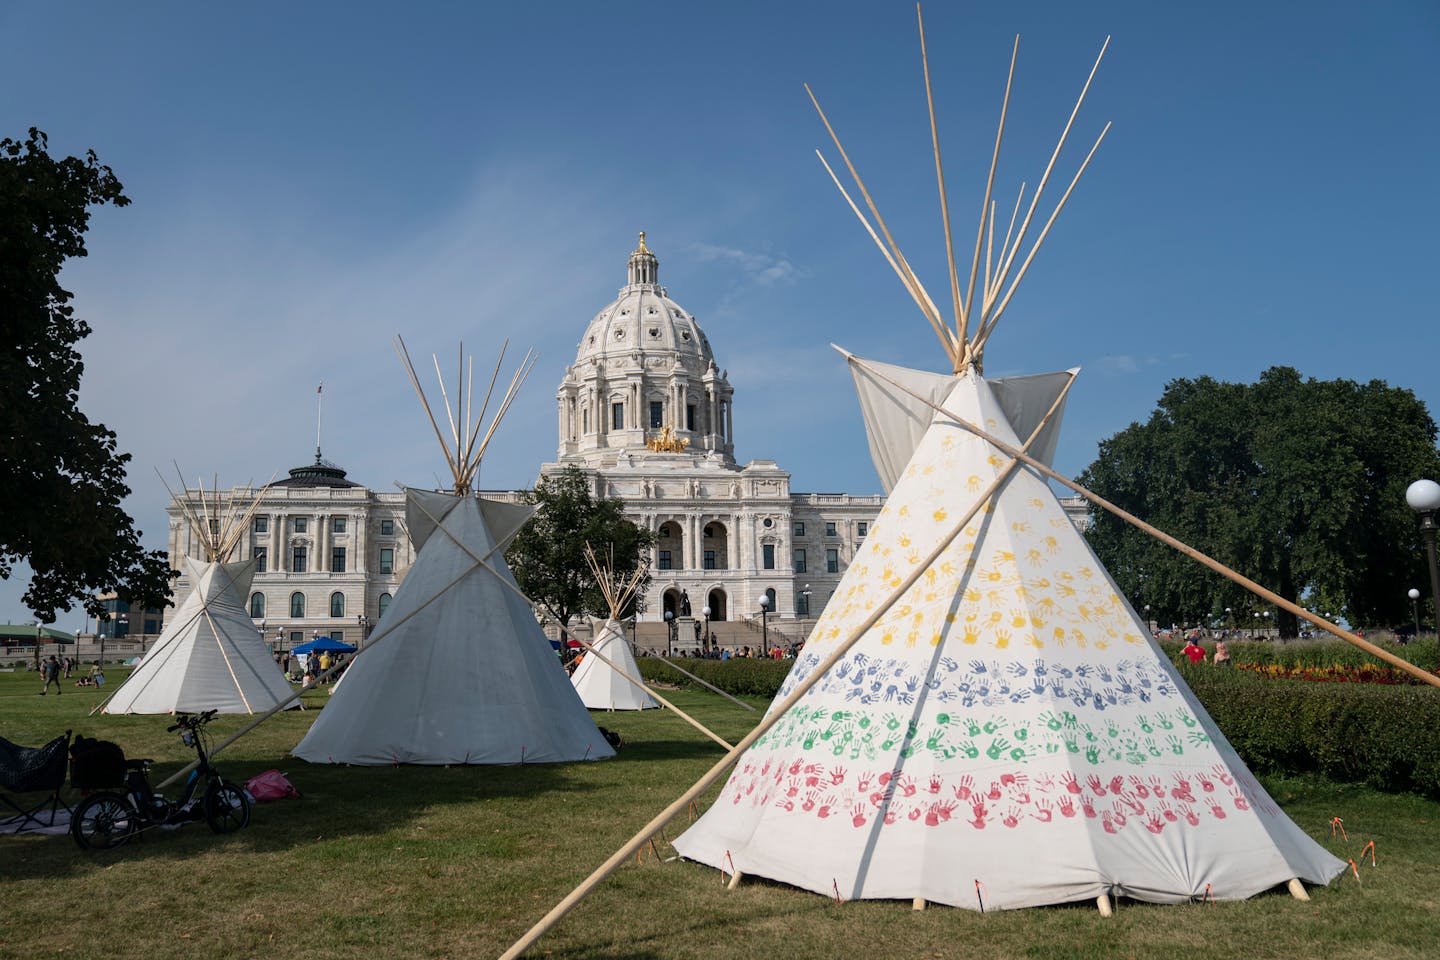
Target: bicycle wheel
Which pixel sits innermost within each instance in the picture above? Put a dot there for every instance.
(227, 809)
(103, 821)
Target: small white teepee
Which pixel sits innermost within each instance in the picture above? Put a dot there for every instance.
(210, 655)
(457, 670)
(600, 686)
(1004, 732)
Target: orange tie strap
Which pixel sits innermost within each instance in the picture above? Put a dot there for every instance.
(836, 885)
(1370, 847)
(1355, 870)
(1337, 824)
(979, 898)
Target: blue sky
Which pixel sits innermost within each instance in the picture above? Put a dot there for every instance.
(309, 179)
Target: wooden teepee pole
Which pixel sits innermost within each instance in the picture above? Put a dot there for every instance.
(775, 714)
(1165, 538)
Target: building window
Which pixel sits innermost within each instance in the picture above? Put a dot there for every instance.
(829, 528)
(617, 416)
(387, 560)
(297, 604)
(802, 603)
(214, 528)
(690, 417)
(862, 528)
(585, 420)
(337, 604)
(152, 626)
(387, 528)
(709, 559)
(257, 607)
(297, 637)
(302, 524)
(767, 554)
(337, 524)
(657, 414)
(261, 554)
(297, 560)
(799, 561)
(261, 525)
(337, 559)
(832, 561)
(664, 561)
(384, 603)
(798, 529)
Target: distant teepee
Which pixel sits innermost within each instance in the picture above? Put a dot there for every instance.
(457, 670)
(993, 726)
(600, 686)
(210, 655)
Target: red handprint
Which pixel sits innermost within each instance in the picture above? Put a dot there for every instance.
(1141, 790)
(1087, 805)
(1204, 782)
(1136, 807)
(994, 792)
(859, 811)
(962, 791)
(915, 813)
(1117, 785)
(1118, 815)
(1071, 784)
(1223, 775)
(1191, 817)
(1043, 812)
(907, 786)
(1097, 786)
(837, 775)
(811, 799)
(1154, 824)
(1240, 802)
(784, 804)
(1014, 780)
(892, 815)
(1157, 786)
(795, 768)
(1217, 810)
(1181, 790)
(1106, 822)
(935, 784)
(1011, 818)
(863, 784)
(794, 787)
(1067, 807)
(979, 811)
(825, 809)
(1167, 813)
(886, 777)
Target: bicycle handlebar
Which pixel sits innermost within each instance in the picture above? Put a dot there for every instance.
(192, 721)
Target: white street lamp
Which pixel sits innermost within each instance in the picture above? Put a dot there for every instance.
(1423, 496)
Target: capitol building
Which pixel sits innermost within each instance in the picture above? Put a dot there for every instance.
(647, 412)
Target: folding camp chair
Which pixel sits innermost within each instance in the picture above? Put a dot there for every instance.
(31, 770)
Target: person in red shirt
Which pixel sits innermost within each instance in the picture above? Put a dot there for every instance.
(1194, 651)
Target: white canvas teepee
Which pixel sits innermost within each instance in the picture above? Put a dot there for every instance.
(1004, 732)
(600, 685)
(457, 670)
(210, 655)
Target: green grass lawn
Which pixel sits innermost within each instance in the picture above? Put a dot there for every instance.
(456, 862)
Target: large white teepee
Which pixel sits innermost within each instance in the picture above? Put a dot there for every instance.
(457, 670)
(210, 656)
(600, 685)
(1004, 732)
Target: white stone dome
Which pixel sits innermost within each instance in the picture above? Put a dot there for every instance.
(643, 319)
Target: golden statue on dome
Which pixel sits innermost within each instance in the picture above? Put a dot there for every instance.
(666, 442)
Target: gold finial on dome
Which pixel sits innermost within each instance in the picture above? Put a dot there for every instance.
(644, 265)
(642, 248)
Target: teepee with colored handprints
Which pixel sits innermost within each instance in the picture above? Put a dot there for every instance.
(602, 686)
(457, 670)
(210, 656)
(999, 729)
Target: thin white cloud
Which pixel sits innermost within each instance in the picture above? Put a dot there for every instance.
(760, 268)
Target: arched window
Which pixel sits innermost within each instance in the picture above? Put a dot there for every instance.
(337, 604)
(384, 603)
(770, 596)
(297, 604)
(257, 606)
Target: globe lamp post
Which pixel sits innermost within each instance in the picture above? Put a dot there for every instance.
(1424, 498)
(705, 643)
(765, 626)
(1415, 609)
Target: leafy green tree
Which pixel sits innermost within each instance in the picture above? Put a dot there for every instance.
(1297, 483)
(61, 477)
(548, 555)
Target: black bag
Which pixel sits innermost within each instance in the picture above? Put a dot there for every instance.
(96, 764)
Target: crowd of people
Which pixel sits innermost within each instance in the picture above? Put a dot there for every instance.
(56, 669)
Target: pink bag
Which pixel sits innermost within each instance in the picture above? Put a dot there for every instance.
(270, 785)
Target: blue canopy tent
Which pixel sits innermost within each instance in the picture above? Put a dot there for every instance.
(322, 644)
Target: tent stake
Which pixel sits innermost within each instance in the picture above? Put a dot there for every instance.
(1102, 903)
(917, 904)
(734, 880)
(1297, 889)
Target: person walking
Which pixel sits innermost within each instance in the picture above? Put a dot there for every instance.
(50, 673)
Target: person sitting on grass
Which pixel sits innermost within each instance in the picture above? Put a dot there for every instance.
(1194, 651)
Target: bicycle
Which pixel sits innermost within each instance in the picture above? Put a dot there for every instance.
(109, 819)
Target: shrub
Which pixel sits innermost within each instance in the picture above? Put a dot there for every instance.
(1374, 734)
(737, 677)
